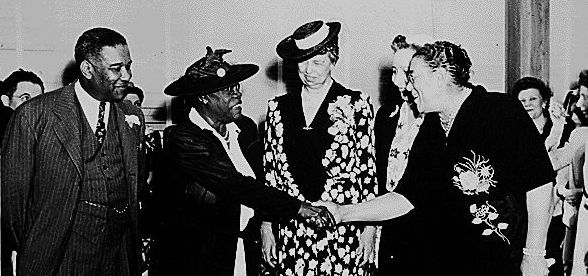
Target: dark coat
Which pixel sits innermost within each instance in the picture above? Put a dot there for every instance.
(42, 171)
(5, 113)
(200, 219)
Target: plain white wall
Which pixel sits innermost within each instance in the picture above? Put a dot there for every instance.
(165, 37)
(568, 43)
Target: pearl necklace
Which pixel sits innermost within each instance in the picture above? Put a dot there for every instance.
(447, 123)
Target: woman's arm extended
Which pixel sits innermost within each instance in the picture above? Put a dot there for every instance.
(384, 207)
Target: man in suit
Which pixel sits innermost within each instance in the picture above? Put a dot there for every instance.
(71, 165)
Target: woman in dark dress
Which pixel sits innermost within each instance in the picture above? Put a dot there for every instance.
(478, 178)
(205, 178)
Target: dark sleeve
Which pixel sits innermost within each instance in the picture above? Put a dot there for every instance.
(202, 158)
(5, 113)
(16, 176)
(524, 147)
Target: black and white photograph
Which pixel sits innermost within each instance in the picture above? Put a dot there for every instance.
(294, 138)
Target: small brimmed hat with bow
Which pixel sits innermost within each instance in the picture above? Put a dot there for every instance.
(309, 40)
(210, 74)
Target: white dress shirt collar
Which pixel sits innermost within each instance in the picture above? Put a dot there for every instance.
(90, 105)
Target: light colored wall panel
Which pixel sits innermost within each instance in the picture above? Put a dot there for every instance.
(569, 37)
(165, 37)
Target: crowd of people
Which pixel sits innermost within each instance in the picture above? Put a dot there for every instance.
(445, 178)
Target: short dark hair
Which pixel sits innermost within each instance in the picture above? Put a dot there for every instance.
(18, 76)
(137, 91)
(532, 82)
(91, 42)
(444, 54)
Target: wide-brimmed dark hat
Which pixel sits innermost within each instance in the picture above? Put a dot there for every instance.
(308, 40)
(210, 74)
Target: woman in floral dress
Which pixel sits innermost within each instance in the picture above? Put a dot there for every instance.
(319, 146)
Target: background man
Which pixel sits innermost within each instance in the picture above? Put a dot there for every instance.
(20, 86)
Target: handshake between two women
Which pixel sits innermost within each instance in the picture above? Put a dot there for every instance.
(385, 207)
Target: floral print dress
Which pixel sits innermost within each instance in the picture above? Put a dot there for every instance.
(332, 159)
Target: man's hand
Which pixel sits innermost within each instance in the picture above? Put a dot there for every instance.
(319, 216)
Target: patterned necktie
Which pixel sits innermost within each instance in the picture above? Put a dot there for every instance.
(100, 127)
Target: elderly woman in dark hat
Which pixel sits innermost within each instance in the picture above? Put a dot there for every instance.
(319, 146)
(206, 176)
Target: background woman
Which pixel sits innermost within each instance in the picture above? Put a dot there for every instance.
(571, 157)
(535, 96)
(319, 146)
(396, 126)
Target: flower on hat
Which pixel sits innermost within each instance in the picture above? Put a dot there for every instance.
(132, 120)
(209, 74)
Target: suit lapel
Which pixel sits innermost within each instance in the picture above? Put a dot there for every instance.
(128, 142)
(67, 129)
(128, 139)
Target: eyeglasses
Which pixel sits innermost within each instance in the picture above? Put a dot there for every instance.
(233, 90)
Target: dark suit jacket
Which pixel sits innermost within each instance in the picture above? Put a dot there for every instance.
(42, 171)
(5, 113)
(199, 218)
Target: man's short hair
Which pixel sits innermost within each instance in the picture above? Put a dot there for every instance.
(18, 76)
(91, 42)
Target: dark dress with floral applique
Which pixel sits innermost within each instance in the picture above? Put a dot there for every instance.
(469, 190)
(331, 160)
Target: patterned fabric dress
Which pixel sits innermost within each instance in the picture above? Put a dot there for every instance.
(332, 159)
